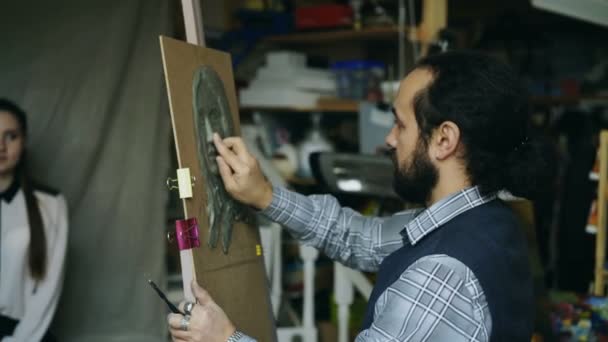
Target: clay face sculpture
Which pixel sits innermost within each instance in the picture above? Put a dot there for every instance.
(212, 115)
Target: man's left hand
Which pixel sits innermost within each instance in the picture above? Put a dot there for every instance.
(207, 322)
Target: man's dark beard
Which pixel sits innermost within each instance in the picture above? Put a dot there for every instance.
(415, 182)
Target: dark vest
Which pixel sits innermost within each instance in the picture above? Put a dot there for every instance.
(489, 241)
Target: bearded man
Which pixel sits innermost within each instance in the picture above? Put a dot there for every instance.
(455, 270)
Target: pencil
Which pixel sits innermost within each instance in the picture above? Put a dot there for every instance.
(172, 307)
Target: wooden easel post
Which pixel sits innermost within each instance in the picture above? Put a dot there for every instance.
(602, 202)
(434, 18)
(193, 22)
(235, 277)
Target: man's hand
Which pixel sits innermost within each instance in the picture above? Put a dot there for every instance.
(208, 322)
(241, 173)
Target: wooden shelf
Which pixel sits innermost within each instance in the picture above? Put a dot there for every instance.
(331, 105)
(567, 100)
(366, 34)
(324, 105)
(295, 180)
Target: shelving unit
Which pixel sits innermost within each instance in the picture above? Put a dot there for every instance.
(337, 105)
(602, 201)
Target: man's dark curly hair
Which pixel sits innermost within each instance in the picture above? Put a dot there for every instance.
(488, 103)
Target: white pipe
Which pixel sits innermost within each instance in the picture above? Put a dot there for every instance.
(309, 255)
(344, 295)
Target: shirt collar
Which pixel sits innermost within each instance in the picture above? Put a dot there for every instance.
(8, 194)
(443, 211)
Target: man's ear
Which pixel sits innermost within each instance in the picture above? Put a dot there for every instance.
(445, 140)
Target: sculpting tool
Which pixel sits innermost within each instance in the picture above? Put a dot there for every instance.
(172, 307)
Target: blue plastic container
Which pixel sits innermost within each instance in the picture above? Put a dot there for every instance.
(356, 78)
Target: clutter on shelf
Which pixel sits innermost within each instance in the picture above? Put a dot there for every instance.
(323, 16)
(315, 141)
(577, 317)
(359, 79)
(286, 81)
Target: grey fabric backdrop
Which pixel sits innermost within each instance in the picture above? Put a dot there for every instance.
(89, 75)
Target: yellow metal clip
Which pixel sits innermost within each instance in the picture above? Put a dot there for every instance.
(184, 182)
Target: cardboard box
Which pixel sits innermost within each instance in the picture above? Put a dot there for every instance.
(219, 15)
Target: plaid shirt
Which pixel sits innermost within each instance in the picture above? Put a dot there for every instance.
(437, 298)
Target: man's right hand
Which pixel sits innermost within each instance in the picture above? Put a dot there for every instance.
(241, 173)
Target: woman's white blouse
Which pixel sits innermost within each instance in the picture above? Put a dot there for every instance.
(31, 302)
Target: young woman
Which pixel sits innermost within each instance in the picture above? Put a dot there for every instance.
(33, 236)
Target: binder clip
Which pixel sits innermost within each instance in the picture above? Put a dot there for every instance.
(184, 183)
(186, 234)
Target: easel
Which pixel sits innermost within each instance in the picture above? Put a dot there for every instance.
(236, 280)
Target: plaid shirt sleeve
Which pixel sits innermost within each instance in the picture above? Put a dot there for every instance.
(343, 234)
(436, 299)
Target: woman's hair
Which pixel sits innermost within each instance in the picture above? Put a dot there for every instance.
(488, 103)
(37, 252)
